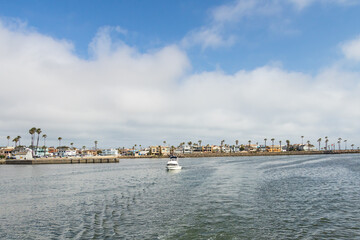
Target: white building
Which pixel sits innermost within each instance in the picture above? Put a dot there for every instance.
(66, 152)
(183, 150)
(26, 155)
(110, 152)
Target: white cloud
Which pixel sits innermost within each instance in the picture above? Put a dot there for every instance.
(301, 4)
(207, 38)
(351, 49)
(123, 97)
(216, 34)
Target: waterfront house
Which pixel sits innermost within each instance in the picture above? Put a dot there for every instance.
(110, 152)
(262, 148)
(216, 149)
(183, 149)
(274, 148)
(251, 147)
(6, 151)
(308, 147)
(42, 152)
(52, 151)
(165, 150)
(197, 148)
(88, 152)
(66, 152)
(24, 155)
(145, 151)
(207, 149)
(154, 150)
(225, 149)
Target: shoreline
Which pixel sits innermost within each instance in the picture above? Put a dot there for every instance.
(69, 160)
(247, 154)
(116, 159)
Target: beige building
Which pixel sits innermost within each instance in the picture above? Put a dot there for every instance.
(6, 151)
(159, 150)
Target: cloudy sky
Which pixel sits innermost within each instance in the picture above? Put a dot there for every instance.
(144, 72)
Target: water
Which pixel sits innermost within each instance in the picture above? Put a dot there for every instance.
(284, 197)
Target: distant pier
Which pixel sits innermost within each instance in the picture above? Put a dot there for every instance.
(64, 160)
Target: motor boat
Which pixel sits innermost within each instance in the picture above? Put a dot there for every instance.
(173, 164)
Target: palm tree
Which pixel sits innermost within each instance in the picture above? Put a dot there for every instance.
(302, 140)
(326, 142)
(308, 144)
(38, 131)
(339, 141)
(8, 138)
(345, 141)
(32, 132)
(237, 142)
(14, 140)
(189, 143)
(72, 145)
(287, 145)
(221, 145)
(83, 150)
(265, 139)
(272, 140)
(200, 142)
(319, 141)
(18, 138)
(352, 146)
(249, 143)
(280, 146)
(172, 149)
(164, 143)
(59, 139)
(96, 142)
(44, 136)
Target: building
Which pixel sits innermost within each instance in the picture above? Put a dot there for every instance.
(164, 150)
(274, 148)
(109, 152)
(145, 151)
(197, 148)
(183, 150)
(309, 147)
(88, 152)
(6, 151)
(24, 155)
(42, 152)
(66, 152)
(154, 150)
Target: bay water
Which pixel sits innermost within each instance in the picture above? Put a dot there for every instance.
(274, 197)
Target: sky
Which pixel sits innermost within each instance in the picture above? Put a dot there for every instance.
(143, 72)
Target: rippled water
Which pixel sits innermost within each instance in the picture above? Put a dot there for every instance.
(298, 197)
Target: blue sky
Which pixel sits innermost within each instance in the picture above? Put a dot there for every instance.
(303, 40)
(226, 55)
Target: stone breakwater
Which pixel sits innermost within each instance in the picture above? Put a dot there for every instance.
(70, 160)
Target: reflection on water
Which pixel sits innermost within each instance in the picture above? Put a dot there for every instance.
(311, 197)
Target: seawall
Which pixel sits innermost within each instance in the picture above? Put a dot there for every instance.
(74, 160)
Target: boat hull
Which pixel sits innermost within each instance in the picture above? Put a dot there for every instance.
(173, 168)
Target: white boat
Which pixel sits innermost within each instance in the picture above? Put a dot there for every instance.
(173, 164)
